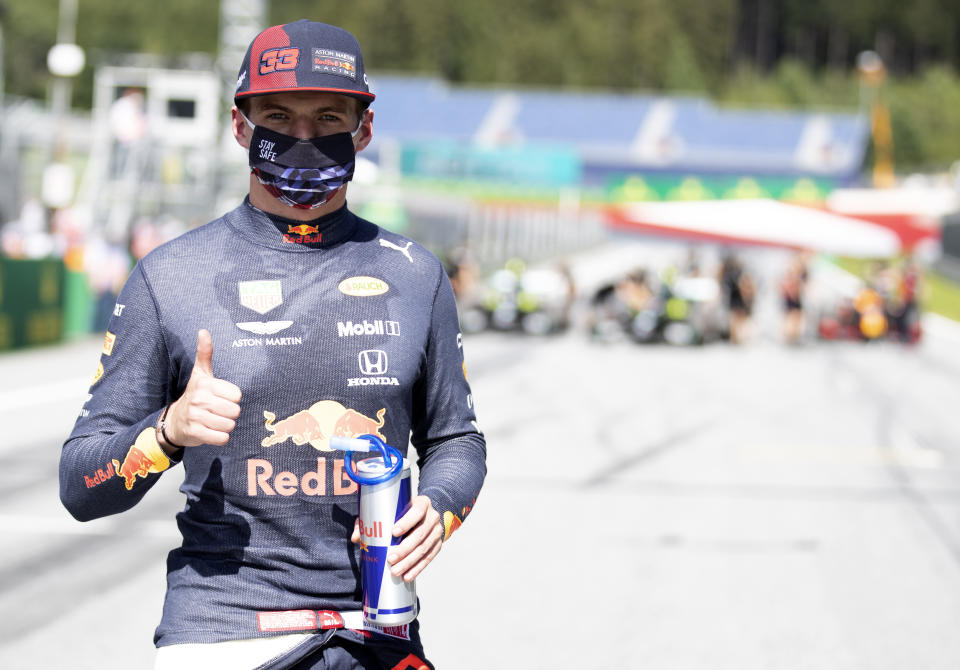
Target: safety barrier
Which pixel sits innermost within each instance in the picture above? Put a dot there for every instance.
(31, 302)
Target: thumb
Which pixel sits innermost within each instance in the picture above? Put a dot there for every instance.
(204, 362)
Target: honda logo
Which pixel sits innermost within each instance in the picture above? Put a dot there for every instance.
(373, 362)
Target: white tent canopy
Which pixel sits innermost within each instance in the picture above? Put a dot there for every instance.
(764, 221)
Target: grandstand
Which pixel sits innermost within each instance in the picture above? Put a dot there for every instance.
(622, 133)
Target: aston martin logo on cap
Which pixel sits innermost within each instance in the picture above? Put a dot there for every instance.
(331, 61)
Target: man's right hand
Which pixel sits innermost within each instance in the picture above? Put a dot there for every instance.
(206, 413)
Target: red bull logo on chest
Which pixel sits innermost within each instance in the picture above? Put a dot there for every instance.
(314, 426)
(317, 424)
(329, 478)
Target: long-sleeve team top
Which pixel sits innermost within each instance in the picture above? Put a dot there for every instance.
(334, 327)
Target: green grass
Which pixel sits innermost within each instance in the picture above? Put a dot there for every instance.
(942, 296)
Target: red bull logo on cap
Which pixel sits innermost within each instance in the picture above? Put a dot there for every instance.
(317, 424)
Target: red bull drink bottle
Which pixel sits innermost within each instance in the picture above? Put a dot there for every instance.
(385, 495)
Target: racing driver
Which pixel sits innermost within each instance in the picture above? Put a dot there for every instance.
(240, 348)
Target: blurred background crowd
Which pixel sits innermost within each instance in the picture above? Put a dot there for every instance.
(760, 147)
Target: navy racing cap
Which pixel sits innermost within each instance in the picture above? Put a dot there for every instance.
(303, 56)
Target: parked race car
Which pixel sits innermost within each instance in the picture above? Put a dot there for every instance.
(534, 301)
(885, 307)
(680, 311)
(868, 317)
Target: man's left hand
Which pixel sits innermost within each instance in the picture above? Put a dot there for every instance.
(424, 537)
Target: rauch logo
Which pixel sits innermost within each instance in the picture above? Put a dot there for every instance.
(363, 286)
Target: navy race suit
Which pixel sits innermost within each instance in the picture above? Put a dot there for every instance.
(334, 327)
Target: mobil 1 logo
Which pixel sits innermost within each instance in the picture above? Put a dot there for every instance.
(375, 327)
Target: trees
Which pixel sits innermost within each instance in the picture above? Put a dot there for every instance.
(788, 52)
(104, 29)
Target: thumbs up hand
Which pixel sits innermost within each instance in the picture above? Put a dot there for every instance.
(206, 413)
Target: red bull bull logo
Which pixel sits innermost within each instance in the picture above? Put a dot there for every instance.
(314, 426)
(451, 522)
(143, 457)
(135, 464)
(317, 424)
(302, 234)
(301, 427)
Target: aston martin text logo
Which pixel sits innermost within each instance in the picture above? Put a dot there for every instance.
(266, 328)
(373, 363)
(334, 62)
(365, 327)
(260, 296)
(363, 286)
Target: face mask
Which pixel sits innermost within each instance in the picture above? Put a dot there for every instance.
(302, 173)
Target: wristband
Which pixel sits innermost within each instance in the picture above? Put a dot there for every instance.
(163, 429)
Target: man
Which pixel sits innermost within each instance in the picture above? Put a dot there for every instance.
(307, 323)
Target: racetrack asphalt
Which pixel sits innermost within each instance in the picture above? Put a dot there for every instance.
(646, 507)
